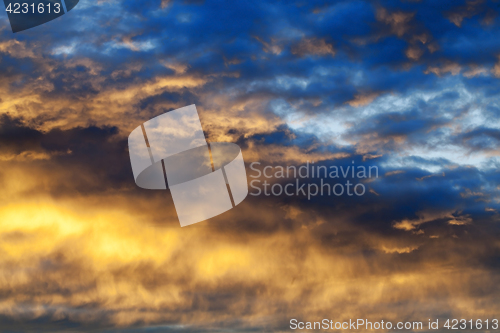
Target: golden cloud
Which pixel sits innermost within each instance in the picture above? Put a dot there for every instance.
(362, 99)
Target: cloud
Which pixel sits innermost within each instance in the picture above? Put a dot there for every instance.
(395, 172)
(449, 67)
(496, 69)
(16, 49)
(313, 46)
(362, 100)
(414, 52)
(271, 47)
(84, 249)
(475, 71)
(426, 217)
(399, 21)
(459, 13)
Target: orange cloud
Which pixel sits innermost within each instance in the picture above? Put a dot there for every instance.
(496, 68)
(362, 99)
(472, 8)
(313, 46)
(16, 49)
(414, 52)
(398, 21)
(475, 71)
(449, 67)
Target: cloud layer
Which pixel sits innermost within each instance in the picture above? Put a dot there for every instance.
(410, 87)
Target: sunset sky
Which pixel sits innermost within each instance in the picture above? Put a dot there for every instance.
(411, 87)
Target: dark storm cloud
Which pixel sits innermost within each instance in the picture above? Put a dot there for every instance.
(414, 123)
(77, 152)
(481, 138)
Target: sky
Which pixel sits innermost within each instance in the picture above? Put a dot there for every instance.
(411, 87)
